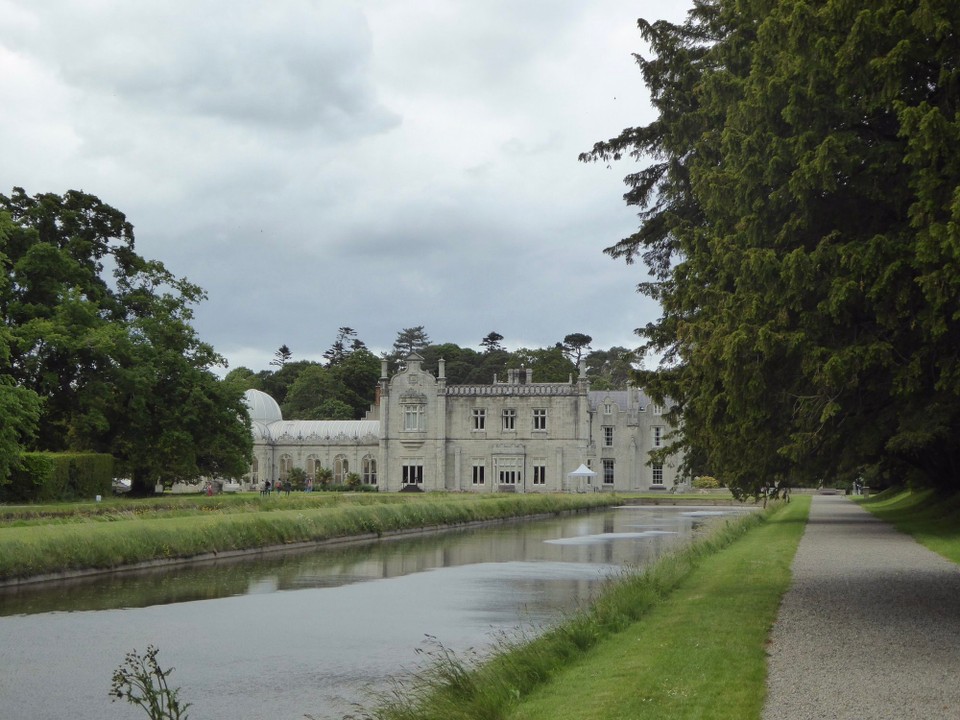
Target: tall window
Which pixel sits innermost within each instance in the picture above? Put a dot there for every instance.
(341, 466)
(479, 472)
(657, 436)
(369, 471)
(509, 470)
(608, 436)
(312, 465)
(255, 471)
(286, 465)
(413, 417)
(479, 419)
(658, 473)
(509, 477)
(539, 472)
(509, 419)
(540, 419)
(608, 471)
(413, 474)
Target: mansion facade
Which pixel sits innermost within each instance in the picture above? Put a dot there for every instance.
(510, 436)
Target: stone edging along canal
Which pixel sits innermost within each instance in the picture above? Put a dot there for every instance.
(345, 540)
(228, 555)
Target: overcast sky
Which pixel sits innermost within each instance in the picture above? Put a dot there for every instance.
(318, 163)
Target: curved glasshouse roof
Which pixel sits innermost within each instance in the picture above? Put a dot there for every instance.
(268, 424)
(262, 407)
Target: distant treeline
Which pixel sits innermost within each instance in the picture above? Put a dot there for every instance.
(343, 386)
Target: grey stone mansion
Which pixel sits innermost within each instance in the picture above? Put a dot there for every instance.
(514, 435)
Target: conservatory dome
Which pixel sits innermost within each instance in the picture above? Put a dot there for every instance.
(263, 408)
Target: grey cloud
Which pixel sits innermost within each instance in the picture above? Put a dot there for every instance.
(254, 146)
(289, 65)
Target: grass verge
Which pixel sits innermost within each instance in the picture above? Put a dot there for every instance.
(126, 538)
(933, 519)
(683, 639)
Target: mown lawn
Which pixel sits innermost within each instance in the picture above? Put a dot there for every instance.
(930, 517)
(698, 654)
(685, 638)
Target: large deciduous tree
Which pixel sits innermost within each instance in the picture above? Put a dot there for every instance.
(19, 406)
(103, 338)
(612, 369)
(800, 218)
(551, 365)
(342, 391)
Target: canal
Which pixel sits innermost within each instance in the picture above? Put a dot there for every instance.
(313, 633)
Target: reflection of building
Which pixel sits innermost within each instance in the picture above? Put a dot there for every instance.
(516, 435)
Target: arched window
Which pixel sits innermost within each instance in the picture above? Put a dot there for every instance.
(312, 465)
(340, 469)
(369, 470)
(286, 465)
(255, 471)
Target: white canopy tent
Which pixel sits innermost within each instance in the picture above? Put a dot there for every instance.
(581, 479)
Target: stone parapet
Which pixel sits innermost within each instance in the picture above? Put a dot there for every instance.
(541, 389)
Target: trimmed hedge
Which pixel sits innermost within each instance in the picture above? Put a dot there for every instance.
(47, 477)
(706, 482)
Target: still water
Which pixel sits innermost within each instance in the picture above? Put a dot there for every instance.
(314, 633)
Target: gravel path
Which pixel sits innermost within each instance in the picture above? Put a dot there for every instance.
(870, 628)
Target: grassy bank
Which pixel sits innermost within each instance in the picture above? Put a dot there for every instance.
(932, 518)
(684, 639)
(118, 508)
(32, 546)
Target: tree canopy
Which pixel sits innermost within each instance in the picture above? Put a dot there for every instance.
(97, 352)
(345, 343)
(282, 356)
(409, 340)
(345, 386)
(799, 206)
(491, 342)
(549, 364)
(575, 346)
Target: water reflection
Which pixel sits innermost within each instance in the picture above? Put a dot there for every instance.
(312, 632)
(595, 536)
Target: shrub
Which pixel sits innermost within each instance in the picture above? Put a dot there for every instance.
(297, 477)
(40, 477)
(30, 479)
(324, 477)
(706, 482)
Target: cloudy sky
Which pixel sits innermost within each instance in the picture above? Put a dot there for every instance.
(319, 163)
